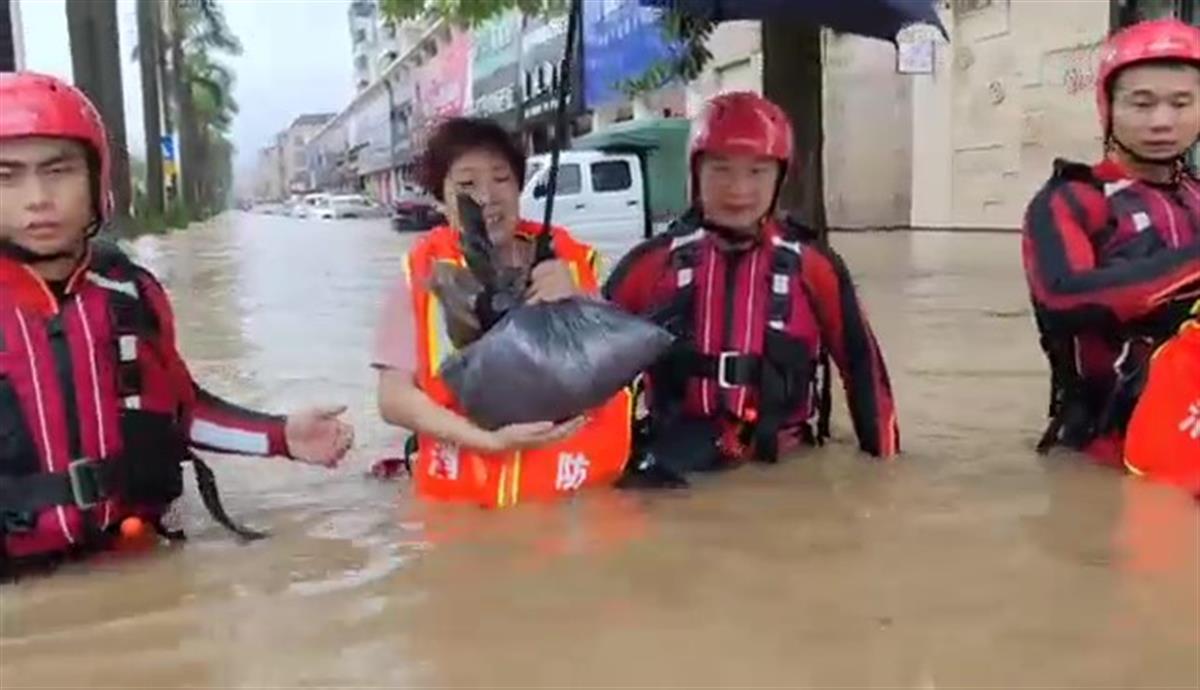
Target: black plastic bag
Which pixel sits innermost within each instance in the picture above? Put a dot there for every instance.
(551, 361)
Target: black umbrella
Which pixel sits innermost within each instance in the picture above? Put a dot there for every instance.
(874, 18)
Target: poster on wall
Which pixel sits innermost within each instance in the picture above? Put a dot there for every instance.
(441, 87)
(621, 40)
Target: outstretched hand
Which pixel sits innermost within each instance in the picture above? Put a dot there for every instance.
(316, 436)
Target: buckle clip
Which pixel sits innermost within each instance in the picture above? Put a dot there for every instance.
(85, 483)
(723, 372)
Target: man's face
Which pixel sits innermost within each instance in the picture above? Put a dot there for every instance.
(736, 191)
(1156, 109)
(45, 194)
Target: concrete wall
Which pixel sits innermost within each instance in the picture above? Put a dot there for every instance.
(1014, 90)
(736, 64)
(868, 134)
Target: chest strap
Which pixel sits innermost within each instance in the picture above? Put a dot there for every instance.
(783, 375)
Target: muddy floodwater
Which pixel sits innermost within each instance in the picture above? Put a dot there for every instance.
(971, 562)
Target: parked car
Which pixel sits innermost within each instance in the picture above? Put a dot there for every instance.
(415, 214)
(345, 206)
(302, 207)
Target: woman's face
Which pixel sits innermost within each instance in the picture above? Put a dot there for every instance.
(487, 177)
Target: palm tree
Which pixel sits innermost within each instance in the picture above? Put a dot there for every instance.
(96, 63)
(198, 27)
(189, 32)
(211, 86)
(149, 32)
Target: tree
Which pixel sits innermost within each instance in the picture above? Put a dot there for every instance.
(193, 30)
(149, 32)
(96, 64)
(792, 77)
(468, 13)
(211, 85)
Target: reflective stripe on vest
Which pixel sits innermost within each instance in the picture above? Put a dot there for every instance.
(773, 300)
(1137, 210)
(104, 315)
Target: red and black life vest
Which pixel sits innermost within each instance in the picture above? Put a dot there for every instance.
(749, 346)
(90, 428)
(1097, 377)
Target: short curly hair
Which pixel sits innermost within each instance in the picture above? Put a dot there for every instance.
(455, 137)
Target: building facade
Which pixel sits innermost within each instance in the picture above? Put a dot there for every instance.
(268, 173)
(962, 142)
(1014, 90)
(298, 178)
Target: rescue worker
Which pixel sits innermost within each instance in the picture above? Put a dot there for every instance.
(1112, 250)
(471, 163)
(97, 408)
(757, 304)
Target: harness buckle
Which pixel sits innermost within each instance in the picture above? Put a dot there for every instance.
(726, 362)
(86, 486)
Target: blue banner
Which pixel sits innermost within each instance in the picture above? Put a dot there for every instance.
(621, 40)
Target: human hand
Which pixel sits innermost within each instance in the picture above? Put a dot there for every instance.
(550, 281)
(531, 435)
(316, 436)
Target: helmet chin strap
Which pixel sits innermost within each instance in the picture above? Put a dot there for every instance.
(28, 256)
(1165, 161)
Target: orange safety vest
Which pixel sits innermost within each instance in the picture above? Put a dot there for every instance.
(1163, 441)
(595, 455)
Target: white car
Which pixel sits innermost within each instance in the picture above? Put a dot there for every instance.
(344, 206)
(304, 207)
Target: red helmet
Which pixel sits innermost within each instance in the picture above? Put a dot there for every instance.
(1159, 39)
(742, 122)
(38, 105)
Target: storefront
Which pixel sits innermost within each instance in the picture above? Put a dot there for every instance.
(495, 69)
(542, 44)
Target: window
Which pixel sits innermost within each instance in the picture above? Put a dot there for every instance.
(611, 176)
(569, 182)
(569, 179)
(360, 35)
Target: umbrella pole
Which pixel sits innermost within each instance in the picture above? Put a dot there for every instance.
(560, 124)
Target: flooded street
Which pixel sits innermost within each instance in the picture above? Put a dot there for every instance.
(970, 562)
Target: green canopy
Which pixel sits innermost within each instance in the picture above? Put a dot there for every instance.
(662, 145)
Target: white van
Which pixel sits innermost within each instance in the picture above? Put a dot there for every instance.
(600, 195)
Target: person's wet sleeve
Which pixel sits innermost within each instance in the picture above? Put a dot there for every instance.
(855, 351)
(210, 422)
(1067, 283)
(632, 280)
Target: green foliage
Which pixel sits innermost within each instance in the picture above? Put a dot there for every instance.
(691, 34)
(468, 13)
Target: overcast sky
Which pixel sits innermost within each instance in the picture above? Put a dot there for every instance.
(297, 60)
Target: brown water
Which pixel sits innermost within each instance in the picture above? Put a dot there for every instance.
(971, 562)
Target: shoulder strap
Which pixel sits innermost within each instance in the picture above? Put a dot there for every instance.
(1070, 171)
(132, 316)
